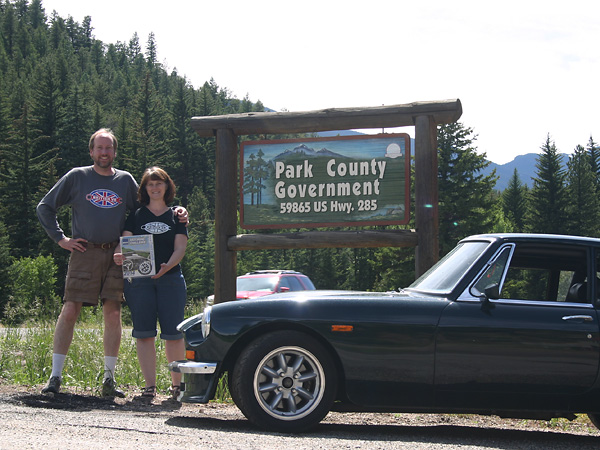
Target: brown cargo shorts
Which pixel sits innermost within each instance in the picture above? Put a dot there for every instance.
(93, 275)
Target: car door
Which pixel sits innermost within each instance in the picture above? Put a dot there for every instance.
(534, 346)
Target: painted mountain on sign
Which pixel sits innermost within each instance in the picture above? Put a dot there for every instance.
(304, 150)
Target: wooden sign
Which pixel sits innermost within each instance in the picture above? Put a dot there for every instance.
(323, 182)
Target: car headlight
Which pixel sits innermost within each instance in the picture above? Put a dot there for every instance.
(203, 319)
(189, 323)
(206, 321)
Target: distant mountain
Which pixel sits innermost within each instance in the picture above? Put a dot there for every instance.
(525, 165)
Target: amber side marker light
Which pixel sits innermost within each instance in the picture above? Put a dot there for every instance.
(342, 328)
(190, 354)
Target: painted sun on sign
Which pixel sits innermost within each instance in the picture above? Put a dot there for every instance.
(321, 182)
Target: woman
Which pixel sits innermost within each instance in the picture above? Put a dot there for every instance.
(162, 296)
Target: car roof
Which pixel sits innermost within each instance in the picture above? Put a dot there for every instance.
(273, 272)
(555, 238)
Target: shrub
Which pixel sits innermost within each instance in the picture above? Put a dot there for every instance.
(32, 291)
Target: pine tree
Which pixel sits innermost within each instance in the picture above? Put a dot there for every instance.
(205, 101)
(19, 182)
(594, 159)
(198, 264)
(181, 158)
(73, 132)
(261, 174)
(548, 195)
(145, 130)
(151, 52)
(250, 179)
(583, 208)
(47, 101)
(514, 202)
(465, 194)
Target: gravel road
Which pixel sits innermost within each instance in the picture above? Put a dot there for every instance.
(29, 420)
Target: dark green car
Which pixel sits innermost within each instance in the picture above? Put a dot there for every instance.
(504, 324)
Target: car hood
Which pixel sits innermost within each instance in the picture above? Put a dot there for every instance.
(330, 294)
(306, 303)
(318, 307)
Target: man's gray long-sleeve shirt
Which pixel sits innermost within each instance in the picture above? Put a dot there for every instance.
(99, 204)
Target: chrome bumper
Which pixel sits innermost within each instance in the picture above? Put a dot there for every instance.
(194, 367)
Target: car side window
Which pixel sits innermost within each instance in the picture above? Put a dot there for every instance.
(494, 273)
(538, 284)
(284, 282)
(555, 273)
(307, 283)
(294, 284)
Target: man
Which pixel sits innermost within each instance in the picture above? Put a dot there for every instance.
(100, 197)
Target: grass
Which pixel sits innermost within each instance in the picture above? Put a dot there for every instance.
(26, 356)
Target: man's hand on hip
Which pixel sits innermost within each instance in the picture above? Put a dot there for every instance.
(73, 244)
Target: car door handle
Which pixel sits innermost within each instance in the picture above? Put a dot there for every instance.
(578, 318)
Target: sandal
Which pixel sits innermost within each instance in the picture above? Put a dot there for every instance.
(149, 392)
(175, 391)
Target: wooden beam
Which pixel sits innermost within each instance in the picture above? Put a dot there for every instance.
(426, 193)
(442, 112)
(225, 215)
(324, 239)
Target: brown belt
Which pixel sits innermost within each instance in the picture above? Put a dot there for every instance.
(105, 246)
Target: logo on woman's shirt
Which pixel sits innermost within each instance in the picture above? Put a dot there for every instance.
(156, 227)
(104, 198)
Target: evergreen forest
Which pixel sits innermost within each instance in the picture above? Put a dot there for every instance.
(58, 84)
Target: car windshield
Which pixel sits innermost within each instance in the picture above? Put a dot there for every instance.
(257, 284)
(445, 275)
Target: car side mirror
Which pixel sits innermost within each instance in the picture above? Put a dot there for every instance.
(284, 289)
(491, 291)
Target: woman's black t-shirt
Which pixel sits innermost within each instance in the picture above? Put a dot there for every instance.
(163, 228)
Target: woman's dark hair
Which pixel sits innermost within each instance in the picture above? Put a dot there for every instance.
(156, 174)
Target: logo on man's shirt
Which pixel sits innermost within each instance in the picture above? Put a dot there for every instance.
(104, 198)
(156, 227)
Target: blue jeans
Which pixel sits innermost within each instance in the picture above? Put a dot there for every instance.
(161, 300)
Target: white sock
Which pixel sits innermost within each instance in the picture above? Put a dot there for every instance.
(110, 362)
(58, 363)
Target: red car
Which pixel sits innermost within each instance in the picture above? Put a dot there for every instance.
(264, 282)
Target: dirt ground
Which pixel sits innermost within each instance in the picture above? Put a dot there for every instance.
(82, 420)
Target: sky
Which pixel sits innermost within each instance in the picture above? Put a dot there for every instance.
(523, 70)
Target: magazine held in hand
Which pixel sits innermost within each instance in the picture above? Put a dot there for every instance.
(138, 256)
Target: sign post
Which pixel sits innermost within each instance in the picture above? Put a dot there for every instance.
(424, 116)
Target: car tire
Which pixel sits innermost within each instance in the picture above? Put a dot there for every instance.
(595, 419)
(128, 265)
(284, 381)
